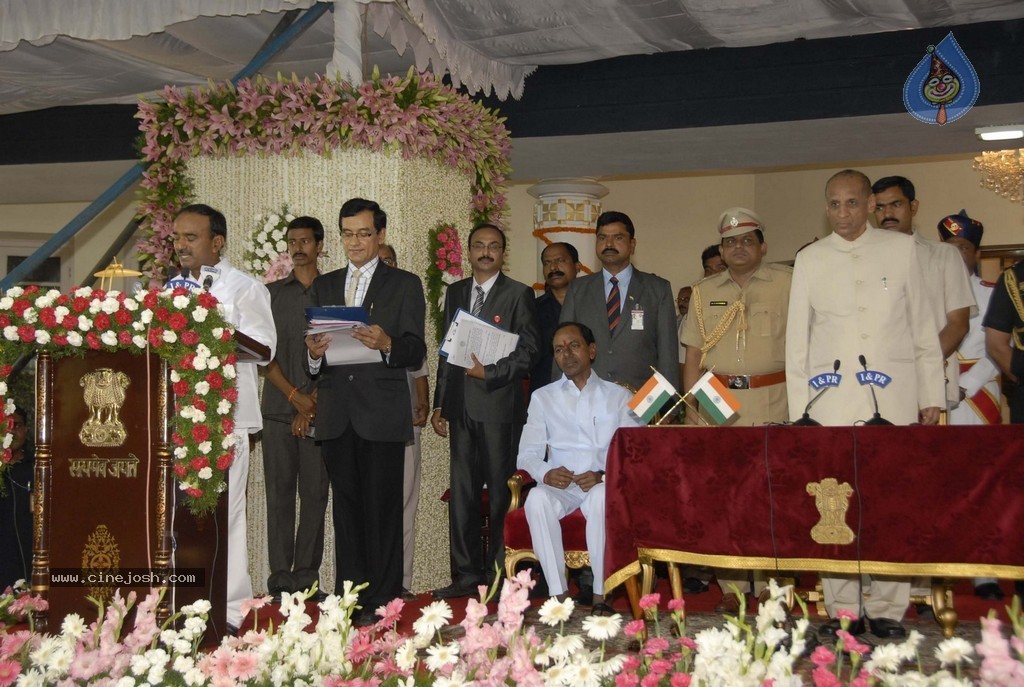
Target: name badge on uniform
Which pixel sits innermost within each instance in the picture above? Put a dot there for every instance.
(637, 319)
(713, 303)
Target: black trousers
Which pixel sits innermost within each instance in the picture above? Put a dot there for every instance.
(366, 478)
(481, 453)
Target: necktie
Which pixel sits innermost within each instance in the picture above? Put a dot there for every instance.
(613, 305)
(478, 302)
(353, 286)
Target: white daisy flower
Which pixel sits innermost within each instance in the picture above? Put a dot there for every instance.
(554, 612)
(600, 628)
(432, 618)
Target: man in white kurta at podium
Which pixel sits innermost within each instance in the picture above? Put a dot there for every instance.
(200, 234)
(572, 420)
(858, 292)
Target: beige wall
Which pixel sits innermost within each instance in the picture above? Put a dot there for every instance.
(676, 217)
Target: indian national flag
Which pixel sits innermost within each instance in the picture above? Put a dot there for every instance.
(651, 397)
(719, 403)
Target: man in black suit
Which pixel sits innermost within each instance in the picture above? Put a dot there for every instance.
(364, 413)
(631, 313)
(484, 408)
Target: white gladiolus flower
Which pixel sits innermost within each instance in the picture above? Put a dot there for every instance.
(109, 338)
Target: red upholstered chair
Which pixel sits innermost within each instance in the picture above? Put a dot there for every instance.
(519, 545)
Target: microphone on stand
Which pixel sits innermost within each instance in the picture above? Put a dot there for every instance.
(805, 420)
(876, 419)
(209, 275)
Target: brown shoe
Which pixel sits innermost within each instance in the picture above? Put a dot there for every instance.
(729, 605)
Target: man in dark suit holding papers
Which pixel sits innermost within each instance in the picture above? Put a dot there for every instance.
(364, 415)
(482, 409)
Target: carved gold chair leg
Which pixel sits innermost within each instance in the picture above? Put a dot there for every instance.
(675, 580)
(514, 557)
(943, 606)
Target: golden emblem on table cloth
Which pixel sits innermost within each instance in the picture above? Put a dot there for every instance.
(832, 500)
(104, 396)
(101, 561)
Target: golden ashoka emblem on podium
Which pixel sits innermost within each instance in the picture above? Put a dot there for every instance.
(104, 396)
(101, 557)
(832, 500)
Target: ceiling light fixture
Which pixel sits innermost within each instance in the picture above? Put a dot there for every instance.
(1000, 133)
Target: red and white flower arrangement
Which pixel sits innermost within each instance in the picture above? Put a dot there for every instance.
(445, 267)
(186, 330)
(416, 115)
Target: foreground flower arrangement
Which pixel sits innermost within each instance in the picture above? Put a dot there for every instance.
(188, 331)
(416, 115)
(498, 650)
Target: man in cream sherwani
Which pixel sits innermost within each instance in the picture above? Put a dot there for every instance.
(859, 292)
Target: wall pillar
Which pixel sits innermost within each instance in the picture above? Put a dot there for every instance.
(566, 211)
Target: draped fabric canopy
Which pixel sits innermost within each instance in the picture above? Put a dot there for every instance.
(54, 52)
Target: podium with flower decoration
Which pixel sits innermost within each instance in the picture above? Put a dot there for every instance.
(134, 414)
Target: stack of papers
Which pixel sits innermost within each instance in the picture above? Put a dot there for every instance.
(338, 322)
(469, 335)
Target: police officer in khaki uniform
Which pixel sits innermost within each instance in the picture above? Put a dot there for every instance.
(736, 327)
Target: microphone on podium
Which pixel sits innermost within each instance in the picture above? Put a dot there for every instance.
(825, 382)
(866, 378)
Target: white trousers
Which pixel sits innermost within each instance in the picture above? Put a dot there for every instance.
(410, 501)
(545, 507)
(884, 597)
(239, 583)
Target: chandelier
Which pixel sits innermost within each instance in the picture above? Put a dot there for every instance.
(1002, 171)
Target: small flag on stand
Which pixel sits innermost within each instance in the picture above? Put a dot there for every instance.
(652, 396)
(718, 401)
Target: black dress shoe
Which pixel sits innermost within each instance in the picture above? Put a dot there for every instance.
(584, 598)
(691, 585)
(886, 628)
(456, 590)
(990, 591)
(827, 632)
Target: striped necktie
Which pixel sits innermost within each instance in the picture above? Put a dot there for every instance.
(478, 302)
(353, 287)
(613, 305)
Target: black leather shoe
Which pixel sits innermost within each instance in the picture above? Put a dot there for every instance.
(456, 590)
(990, 591)
(886, 628)
(827, 632)
(584, 598)
(691, 585)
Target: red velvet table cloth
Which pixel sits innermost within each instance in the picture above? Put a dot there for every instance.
(925, 500)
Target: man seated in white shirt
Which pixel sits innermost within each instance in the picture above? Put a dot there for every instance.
(572, 420)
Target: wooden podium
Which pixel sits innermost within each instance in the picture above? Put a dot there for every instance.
(108, 514)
